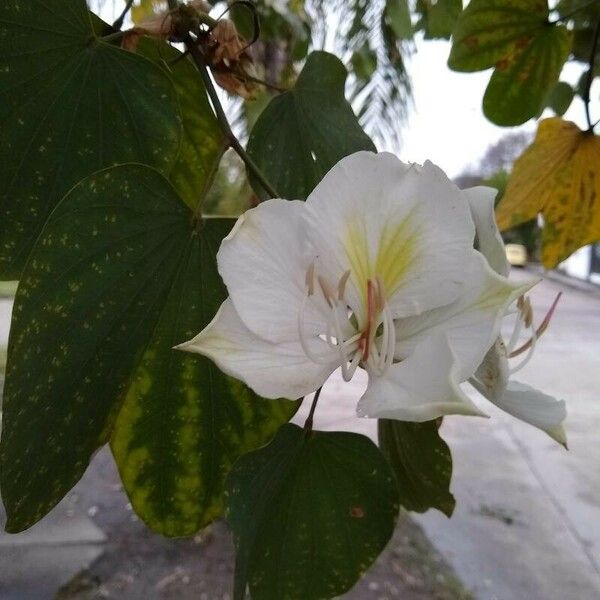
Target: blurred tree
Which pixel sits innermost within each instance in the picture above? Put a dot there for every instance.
(493, 169)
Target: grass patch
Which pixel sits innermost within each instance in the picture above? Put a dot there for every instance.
(8, 289)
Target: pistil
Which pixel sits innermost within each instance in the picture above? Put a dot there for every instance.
(375, 353)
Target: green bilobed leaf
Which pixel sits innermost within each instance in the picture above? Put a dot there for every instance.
(119, 275)
(203, 141)
(516, 94)
(309, 514)
(422, 463)
(307, 130)
(183, 422)
(398, 14)
(560, 97)
(528, 53)
(437, 17)
(70, 105)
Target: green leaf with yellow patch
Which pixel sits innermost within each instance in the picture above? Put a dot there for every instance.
(70, 104)
(518, 89)
(203, 141)
(305, 131)
(526, 51)
(120, 274)
(489, 30)
(422, 463)
(309, 512)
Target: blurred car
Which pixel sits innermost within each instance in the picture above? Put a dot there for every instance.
(516, 254)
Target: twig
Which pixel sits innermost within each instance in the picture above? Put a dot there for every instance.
(198, 58)
(246, 77)
(590, 78)
(119, 22)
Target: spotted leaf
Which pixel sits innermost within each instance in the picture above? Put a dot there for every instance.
(203, 141)
(119, 275)
(70, 104)
(559, 177)
(526, 51)
(309, 514)
(422, 463)
(305, 131)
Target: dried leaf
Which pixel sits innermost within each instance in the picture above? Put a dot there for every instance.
(229, 59)
(558, 176)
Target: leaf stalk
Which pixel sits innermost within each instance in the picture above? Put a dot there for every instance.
(590, 78)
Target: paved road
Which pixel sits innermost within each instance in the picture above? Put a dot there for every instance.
(527, 522)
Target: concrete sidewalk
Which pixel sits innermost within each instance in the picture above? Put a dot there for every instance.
(36, 563)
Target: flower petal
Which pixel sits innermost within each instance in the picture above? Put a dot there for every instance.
(471, 323)
(423, 387)
(491, 377)
(407, 225)
(263, 263)
(536, 408)
(271, 370)
(489, 241)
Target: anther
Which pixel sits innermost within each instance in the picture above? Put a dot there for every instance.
(328, 291)
(342, 285)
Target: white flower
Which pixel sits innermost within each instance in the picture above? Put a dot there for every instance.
(375, 270)
(492, 377)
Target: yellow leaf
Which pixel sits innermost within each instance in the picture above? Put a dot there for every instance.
(558, 176)
(145, 9)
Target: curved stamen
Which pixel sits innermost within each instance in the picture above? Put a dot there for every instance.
(539, 331)
(319, 359)
(391, 346)
(529, 355)
(514, 338)
(349, 369)
(339, 335)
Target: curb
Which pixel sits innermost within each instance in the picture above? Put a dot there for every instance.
(580, 285)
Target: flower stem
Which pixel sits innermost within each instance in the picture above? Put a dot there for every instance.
(308, 424)
(590, 77)
(198, 58)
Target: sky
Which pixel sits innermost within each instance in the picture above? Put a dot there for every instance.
(446, 124)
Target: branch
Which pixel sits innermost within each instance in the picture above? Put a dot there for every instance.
(198, 58)
(119, 22)
(590, 77)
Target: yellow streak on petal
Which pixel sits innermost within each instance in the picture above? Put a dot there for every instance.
(357, 251)
(397, 252)
(397, 249)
